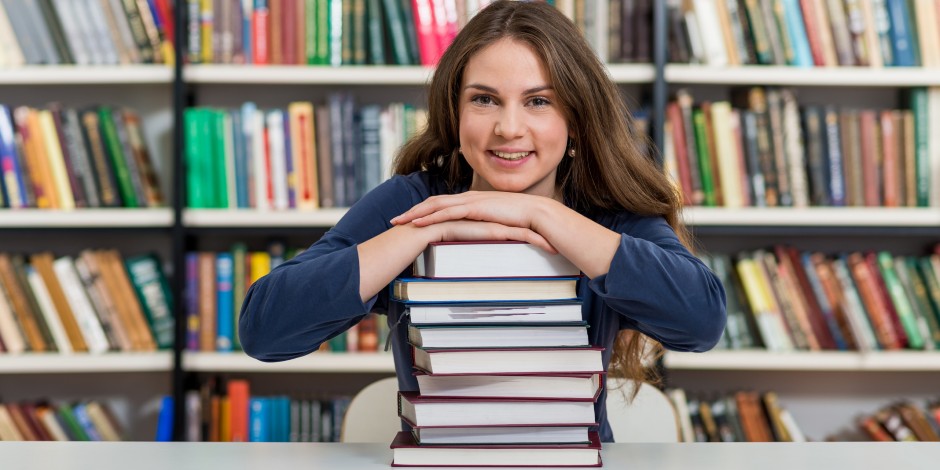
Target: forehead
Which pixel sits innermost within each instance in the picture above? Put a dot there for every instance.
(506, 62)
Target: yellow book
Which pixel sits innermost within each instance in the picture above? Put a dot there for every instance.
(60, 177)
(260, 265)
(27, 119)
(205, 26)
(728, 168)
(225, 420)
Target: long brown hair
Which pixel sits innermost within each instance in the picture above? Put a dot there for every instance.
(610, 172)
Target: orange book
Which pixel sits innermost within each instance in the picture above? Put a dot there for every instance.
(42, 263)
(207, 301)
(238, 396)
(890, 160)
(877, 312)
(21, 306)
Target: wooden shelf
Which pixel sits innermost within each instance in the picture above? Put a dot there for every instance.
(816, 216)
(256, 218)
(316, 362)
(46, 363)
(87, 75)
(357, 75)
(817, 76)
(753, 360)
(81, 218)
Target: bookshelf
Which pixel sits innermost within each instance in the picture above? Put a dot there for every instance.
(826, 388)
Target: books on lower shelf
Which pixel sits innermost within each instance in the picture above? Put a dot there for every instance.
(515, 392)
(45, 421)
(91, 303)
(784, 299)
(742, 416)
(902, 421)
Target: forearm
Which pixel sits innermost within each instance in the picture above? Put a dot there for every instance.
(588, 245)
(385, 256)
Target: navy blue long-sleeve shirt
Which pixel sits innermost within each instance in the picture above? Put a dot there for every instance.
(654, 285)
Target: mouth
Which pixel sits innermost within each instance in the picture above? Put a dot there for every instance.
(510, 156)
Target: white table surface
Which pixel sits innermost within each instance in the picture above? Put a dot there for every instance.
(271, 456)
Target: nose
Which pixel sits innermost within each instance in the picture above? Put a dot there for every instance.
(510, 122)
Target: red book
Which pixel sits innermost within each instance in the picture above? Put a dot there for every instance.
(259, 34)
(421, 411)
(238, 396)
(428, 46)
(407, 453)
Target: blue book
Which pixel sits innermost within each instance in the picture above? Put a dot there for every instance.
(292, 178)
(81, 414)
(802, 55)
(240, 150)
(824, 304)
(165, 420)
(902, 36)
(225, 301)
(10, 171)
(259, 422)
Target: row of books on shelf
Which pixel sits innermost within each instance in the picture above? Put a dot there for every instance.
(499, 382)
(46, 421)
(805, 33)
(762, 149)
(379, 32)
(94, 302)
(303, 157)
(225, 410)
(86, 32)
(903, 421)
(784, 299)
(66, 158)
(742, 416)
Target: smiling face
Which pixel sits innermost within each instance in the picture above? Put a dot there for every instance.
(512, 131)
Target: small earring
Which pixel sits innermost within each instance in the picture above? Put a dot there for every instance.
(571, 152)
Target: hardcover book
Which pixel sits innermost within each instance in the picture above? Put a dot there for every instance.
(465, 290)
(408, 453)
(490, 259)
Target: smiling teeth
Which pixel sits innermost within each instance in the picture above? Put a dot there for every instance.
(511, 156)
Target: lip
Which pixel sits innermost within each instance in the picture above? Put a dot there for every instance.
(510, 150)
(503, 163)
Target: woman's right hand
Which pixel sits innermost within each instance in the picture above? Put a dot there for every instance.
(473, 230)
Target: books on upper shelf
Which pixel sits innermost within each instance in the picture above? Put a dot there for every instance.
(303, 157)
(493, 312)
(64, 158)
(86, 32)
(805, 33)
(547, 386)
(762, 148)
(507, 361)
(493, 289)
(423, 411)
(407, 452)
(490, 259)
(497, 336)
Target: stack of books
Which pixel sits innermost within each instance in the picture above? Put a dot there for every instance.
(505, 371)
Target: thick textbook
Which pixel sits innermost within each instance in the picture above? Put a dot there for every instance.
(406, 452)
(548, 386)
(421, 411)
(491, 289)
(490, 259)
(502, 435)
(490, 312)
(498, 336)
(507, 361)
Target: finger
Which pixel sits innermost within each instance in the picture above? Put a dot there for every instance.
(428, 206)
(443, 215)
(533, 238)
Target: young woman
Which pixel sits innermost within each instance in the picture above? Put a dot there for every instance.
(527, 139)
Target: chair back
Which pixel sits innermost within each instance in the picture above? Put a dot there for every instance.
(649, 417)
(372, 415)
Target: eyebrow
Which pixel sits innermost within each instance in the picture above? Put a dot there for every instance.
(496, 92)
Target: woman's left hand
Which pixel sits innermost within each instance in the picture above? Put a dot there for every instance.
(513, 209)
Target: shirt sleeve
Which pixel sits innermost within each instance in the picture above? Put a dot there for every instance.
(660, 289)
(315, 296)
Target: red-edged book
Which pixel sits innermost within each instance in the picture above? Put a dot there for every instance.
(546, 387)
(501, 435)
(475, 259)
(508, 360)
(420, 411)
(407, 453)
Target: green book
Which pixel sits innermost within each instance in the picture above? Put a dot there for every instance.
(918, 102)
(70, 423)
(195, 187)
(376, 34)
(322, 31)
(338, 343)
(395, 23)
(899, 298)
(310, 31)
(153, 291)
(114, 149)
(704, 156)
(239, 255)
(219, 157)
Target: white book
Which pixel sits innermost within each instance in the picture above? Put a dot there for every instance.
(494, 313)
(490, 259)
(84, 312)
(557, 386)
(508, 361)
(709, 26)
(228, 140)
(48, 311)
(933, 144)
(728, 170)
(98, 28)
(12, 55)
(10, 333)
(677, 397)
(73, 34)
(502, 435)
(502, 336)
(429, 411)
(259, 161)
(275, 123)
(87, 31)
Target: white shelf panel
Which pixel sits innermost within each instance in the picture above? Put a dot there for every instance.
(358, 75)
(816, 216)
(49, 218)
(300, 74)
(86, 75)
(46, 363)
(254, 218)
(316, 362)
(818, 76)
(897, 361)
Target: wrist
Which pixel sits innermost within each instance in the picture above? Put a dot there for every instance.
(542, 213)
